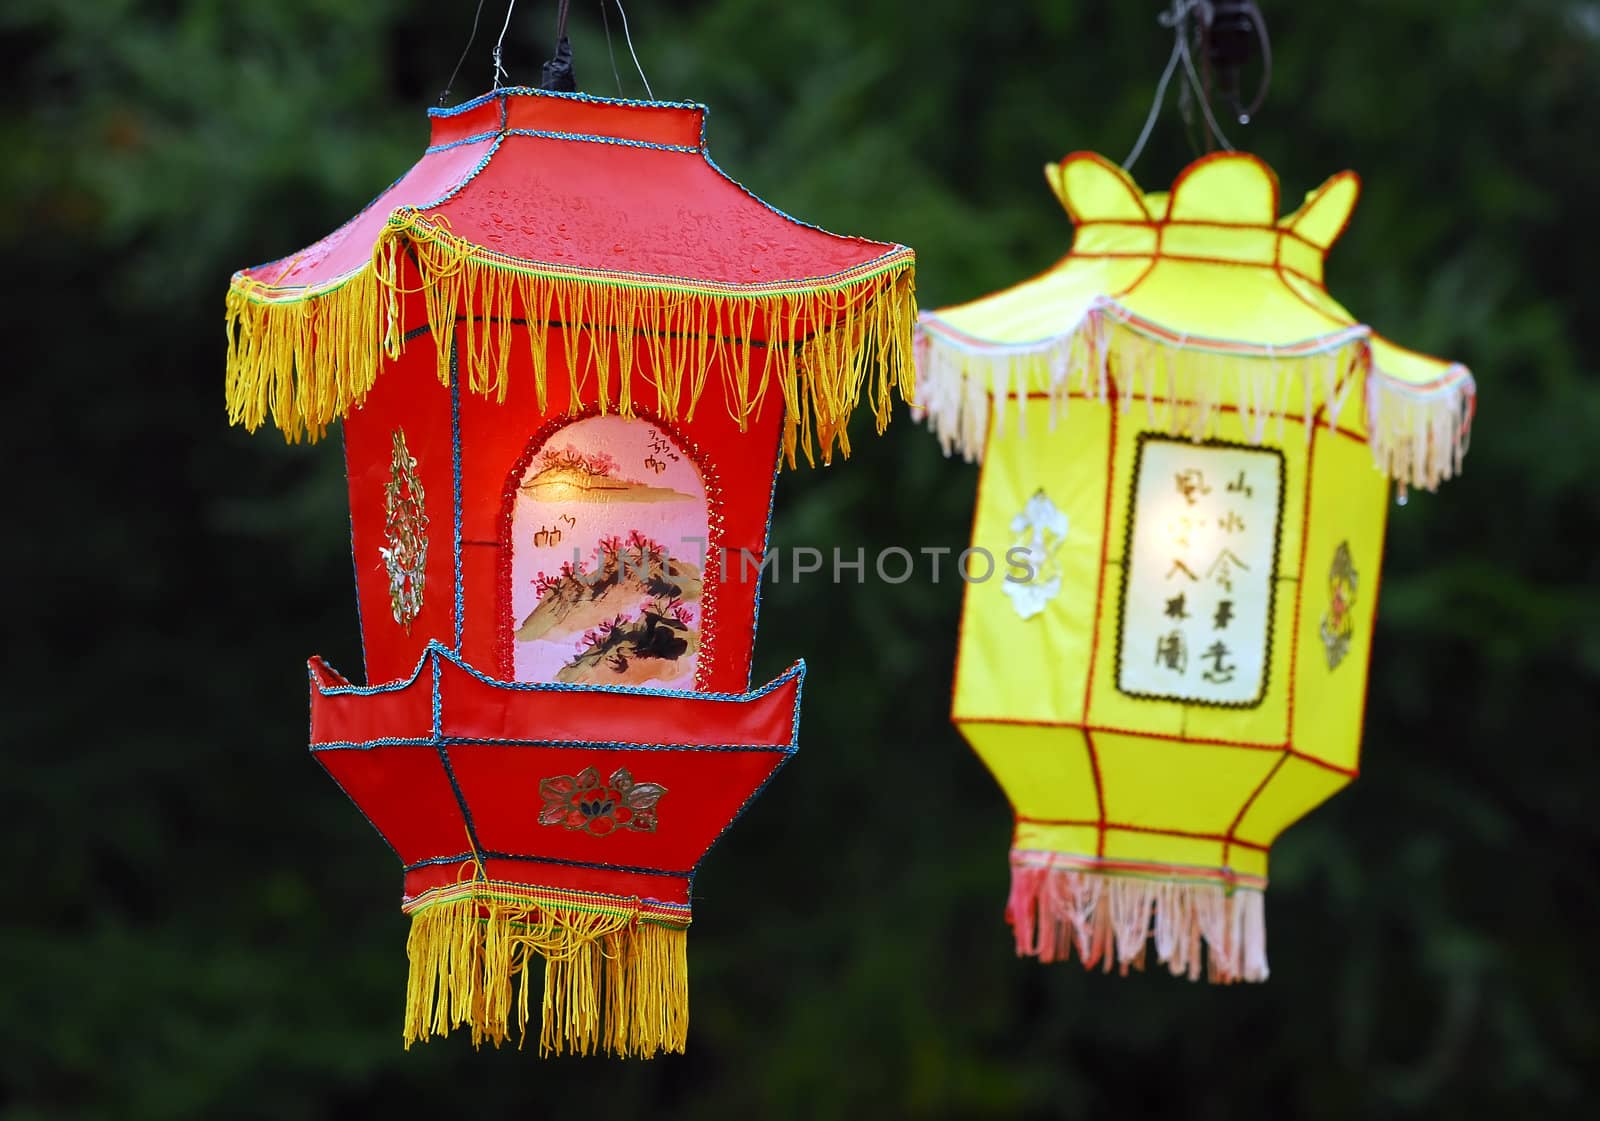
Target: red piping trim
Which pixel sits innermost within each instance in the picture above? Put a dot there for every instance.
(1124, 827)
(1167, 736)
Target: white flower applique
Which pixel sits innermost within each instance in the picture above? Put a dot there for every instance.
(1040, 530)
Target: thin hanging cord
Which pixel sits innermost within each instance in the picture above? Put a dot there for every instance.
(1155, 108)
(1266, 64)
(445, 94)
(499, 70)
(1176, 18)
(623, 12)
(561, 19)
(610, 50)
(1201, 93)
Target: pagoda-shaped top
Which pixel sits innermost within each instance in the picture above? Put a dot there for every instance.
(569, 210)
(1217, 302)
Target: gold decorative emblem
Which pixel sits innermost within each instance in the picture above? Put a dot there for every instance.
(582, 801)
(1339, 625)
(405, 534)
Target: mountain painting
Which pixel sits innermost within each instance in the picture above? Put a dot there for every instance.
(608, 536)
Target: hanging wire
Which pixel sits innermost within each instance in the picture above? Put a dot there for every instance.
(1260, 24)
(444, 95)
(1155, 108)
(1200, 91)
(499, 70)
(623, 12)
(610, 50)
(1177, 18)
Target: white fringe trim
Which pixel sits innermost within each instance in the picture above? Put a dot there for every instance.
(1110, 919)
(1418, 435)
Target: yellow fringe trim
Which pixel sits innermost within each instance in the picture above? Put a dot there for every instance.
(305, 357)
(615, 980)
(1418, 434)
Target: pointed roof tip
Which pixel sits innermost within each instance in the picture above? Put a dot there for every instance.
(1226, 188)
(1325, 214)
(1203, 239)
(1093, 189)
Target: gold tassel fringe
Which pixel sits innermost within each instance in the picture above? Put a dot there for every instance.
(616, 977)
(1418, 435)
(306, 357)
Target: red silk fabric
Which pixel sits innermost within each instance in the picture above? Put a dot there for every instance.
(711, 754)
(620, 188)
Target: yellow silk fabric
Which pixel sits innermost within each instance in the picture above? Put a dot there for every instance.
(1209, 261)
(1095, 772)
(1195, 314)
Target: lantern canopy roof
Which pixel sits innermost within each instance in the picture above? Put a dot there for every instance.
(588, 213)
(622, 189)
(1204, 281)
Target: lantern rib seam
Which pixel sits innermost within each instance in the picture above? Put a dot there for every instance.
(794, 724)
(445, 654)
(512, 741)
(460, 606)
(450, 771)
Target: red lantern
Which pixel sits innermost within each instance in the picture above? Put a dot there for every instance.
(558, 510)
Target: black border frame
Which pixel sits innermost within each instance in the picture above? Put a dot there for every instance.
(1127, 566)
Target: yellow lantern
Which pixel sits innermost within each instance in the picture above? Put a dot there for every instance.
(1178, 426)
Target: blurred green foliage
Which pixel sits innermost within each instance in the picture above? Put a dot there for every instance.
(198, 925)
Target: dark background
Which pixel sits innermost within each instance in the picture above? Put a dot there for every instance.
(197, 925)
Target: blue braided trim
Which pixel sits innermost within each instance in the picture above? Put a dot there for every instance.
(894, 247)
(436, 654)
(547, 134)
(436, 650)
(798, 669)
(523, 91)
(477, 138)
(587, 745)
(455, 482)
(594, 138)
(362, 812)
(587, 98)
(444, 759)
(794, 745)
(469, 177)
(500, 134)
(335, 282)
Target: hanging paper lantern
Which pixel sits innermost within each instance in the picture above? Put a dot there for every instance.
(559, 502)
(1178, 427)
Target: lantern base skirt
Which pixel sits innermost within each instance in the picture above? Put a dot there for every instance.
(616, 973)
(1111, 912)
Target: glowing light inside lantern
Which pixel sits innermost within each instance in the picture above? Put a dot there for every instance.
(1202, 568)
